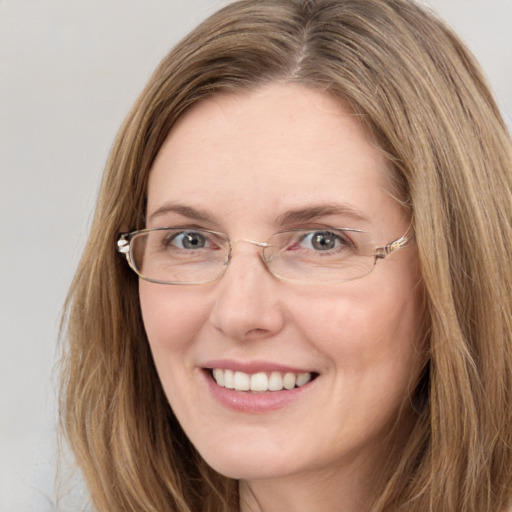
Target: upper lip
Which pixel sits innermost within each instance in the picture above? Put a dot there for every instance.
(251, 367)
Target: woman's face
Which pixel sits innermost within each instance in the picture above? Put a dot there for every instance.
(249, 165)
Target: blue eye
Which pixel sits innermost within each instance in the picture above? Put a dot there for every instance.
(189, 240)
(322, 240)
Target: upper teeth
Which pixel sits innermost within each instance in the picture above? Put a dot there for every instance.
(262, 381)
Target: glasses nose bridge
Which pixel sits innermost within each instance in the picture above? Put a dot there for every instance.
(253, 242)
(260, 245)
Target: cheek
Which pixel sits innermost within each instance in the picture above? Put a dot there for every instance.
(171, 316)
(363, 330)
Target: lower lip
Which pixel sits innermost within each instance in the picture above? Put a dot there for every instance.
(254, 403)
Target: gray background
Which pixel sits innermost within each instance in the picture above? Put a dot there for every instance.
(69, 71)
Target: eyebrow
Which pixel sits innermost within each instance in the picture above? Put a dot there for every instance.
(317, 211)
(294, 216)
(183, 210)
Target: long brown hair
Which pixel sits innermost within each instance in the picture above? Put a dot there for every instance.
(423, 98)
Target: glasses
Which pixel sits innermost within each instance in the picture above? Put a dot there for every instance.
(196, 256)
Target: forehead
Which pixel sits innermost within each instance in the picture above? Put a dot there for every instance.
(254, 155)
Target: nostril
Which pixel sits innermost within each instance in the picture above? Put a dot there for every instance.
(256, 333)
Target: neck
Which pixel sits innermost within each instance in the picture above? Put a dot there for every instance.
(351, 487)
(340, 489)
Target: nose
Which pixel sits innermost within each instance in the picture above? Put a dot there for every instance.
(247, 306)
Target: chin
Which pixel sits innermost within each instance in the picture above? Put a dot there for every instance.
(244, 466)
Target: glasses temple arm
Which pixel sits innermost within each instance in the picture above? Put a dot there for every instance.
(400, 243)
(123, 243)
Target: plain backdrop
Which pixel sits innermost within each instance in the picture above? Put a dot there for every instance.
(69, 71)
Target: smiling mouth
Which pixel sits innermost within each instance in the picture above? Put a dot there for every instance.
(262, 381)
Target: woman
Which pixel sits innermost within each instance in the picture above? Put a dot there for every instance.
(316, 197)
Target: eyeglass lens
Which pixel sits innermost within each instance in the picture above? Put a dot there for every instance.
(171, 255)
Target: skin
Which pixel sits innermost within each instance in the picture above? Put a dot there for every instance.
(245, 159)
